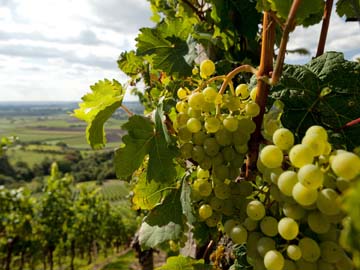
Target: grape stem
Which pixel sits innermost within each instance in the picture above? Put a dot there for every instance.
(324, 27)
(126, 109)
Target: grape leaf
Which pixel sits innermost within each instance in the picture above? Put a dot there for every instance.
(97, 107)
(184, 263)
(186, 202)
(325, 92)
(348, 8)
(143, 139)
(163, 223)
(130, 63)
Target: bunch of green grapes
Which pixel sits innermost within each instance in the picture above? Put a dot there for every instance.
(213, 130)
(295, 223)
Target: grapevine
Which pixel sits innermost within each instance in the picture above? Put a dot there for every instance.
(233, 168)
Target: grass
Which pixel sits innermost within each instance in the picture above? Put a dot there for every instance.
(125, 262)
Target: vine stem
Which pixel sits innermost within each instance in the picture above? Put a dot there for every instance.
(126, 109)
(265, 68)
(289, 26)
(324, 27)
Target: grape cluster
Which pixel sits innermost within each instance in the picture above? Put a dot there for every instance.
(296, 222)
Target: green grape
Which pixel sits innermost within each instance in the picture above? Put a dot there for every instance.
(331, 235)
(216, 203)
(205, 211)
(315, 143)
(214, 220)
(196, 100)
(311, 176)
(222, 191)
(232, 103)
(193, 125)
(234, 172)
(203, 187)
(245, 188)
(182, 106)
(300, 155)
(207, 68)
(346, 165)
(242, 91)
(318, 222)
(322, 265)
(246, 125)
(229, 225)
(211, 146)
(342, 185)
(319, 130)
(228, 153)
(252, 109)
(259, 263)
(287, 181)
(210, 94)
(293, 252)
(201, 173)
(237, 161)
(199, 137)
(228, 207)
(265, 244)
(269, 226)
(230, 123)
(329, 181)
(289, 265)
(255, 210)
(240, 137)
(304, 265)
(293, 211)
(271, 156)
(303, 195)
(186, 150)
(288, 228)
(250, 224)
(217, 160)
(253, 238)
(181, 119)
(184, 134)
(327, 148)
(212, 124)
(194, 113)
(328, 202)
(274, 260)
(345, 263)
(331, 252)
(241, 148)
(223, 137)
(253, 93)
(221, 172)
(310, 250)
(275, 193)
(198, 153)
(283, 138)
(238, 234)
(270, 126)
(181, 93)
(205, 164)
(208, 107)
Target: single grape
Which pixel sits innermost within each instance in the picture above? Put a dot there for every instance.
(182, 106)
(210, 94)
(194, 113)
(283, 138)
(328, 202)
(252, 109)
(241, 148)
(181, 119)
(205, 164)
(245, 188)
(216, 203)
(253, 93)
(246, 125)
(270, 126)
(271, 156)
(222, 191)
(207, 68)
(274, 260)
(264, 245)
(230, 123)
(331, 252)
(318, 222)
(205, 211)
(240, 137)
(302, 264)
(186, 150)
(250, 224)
(303, 195)
(311, 176)
(269, 226)
(293, 252)
(255, 210)
(199, 137)
(233, 103)
(323, 265)
(193, 125)
(345, 263)
(287, 181)
(289, 265)
(211, 146)
(229, 225)
(293, 211)
(315, 143)
(196, 100)
(228, 208)
(346, 165)
(212, 124)
(181, 93)
(198, 153)
(201, 173)
(288, 228)
(203, 187)
(242, 91)
(228, 153)
(213, 220)
(184, 134)
(300, 155)
(223, 137)
(239, 234)
(319, 130)
(310, 250)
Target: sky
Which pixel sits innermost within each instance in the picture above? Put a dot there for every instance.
(53, 50)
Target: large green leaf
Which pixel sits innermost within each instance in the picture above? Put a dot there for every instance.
(184, 263)
(97, 107)
(143, 139)
(163, 223)
(130, 63)
(325, 92)
(348, 8)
